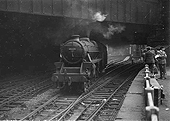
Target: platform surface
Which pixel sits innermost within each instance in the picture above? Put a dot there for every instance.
(133, 108)
(164, 109)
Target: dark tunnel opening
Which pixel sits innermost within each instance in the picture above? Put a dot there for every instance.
(25, 43)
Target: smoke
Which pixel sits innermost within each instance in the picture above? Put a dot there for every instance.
(107, 32)
(96, 20)
(98, 16)
(112, 30)
(93, 21)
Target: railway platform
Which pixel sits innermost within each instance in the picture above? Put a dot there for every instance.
(133, 107)
(164, 109)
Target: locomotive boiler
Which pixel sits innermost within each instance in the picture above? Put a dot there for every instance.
(81, 61)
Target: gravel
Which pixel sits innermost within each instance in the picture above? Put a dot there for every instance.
(28, 106)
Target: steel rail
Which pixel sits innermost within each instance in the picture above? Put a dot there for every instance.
(20, 94)
(17, 85)
(105, 101)
(38, 110)
(85, 96)
(80, 98)
(30, 115)
(101, 78)
(31, 92)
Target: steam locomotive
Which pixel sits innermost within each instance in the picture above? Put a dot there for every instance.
(81, 62)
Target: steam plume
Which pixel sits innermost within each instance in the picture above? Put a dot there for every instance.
(99, 17)
(113, 29)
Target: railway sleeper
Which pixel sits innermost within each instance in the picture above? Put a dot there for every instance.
(105, 110)
(99, 98)
(3, 97)
(50, 110)
(5, 109)
(106, 89)
(102, 95)
(93, 99)
(10, 106)
(68, 100)
(63, 103)
(87, 102)
(44, 113)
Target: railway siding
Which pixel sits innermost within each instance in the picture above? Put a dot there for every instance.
(12, 100)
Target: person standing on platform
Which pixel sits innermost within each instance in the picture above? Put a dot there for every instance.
(149, 59)
(143, 54)
(161, 57)
(156, 59)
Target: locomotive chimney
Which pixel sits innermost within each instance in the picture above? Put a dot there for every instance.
(76, 37)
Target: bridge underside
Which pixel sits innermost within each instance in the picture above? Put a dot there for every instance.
(128, 11)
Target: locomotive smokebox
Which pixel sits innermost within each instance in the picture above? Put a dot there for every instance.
(76, 49)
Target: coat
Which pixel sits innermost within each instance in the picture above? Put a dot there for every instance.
(162, 57)
(149, 57)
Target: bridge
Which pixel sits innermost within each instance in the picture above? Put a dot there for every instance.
(128, 11)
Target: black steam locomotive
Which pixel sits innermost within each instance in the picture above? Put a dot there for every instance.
(81, 61)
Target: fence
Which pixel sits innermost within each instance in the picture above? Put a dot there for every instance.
(151, 97)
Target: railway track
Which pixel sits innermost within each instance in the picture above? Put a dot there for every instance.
(113, 96)
(17, 79)
(108, 90)
(16, 84)
(23, 90)
(55, 106)
(12, 81)
(94, 100)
